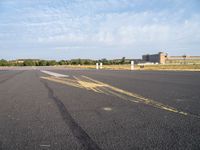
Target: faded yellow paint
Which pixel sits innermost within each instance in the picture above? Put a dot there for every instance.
(139, 98)
(63, 81)
(90, 84)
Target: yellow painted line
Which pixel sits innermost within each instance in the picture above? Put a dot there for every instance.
(140, 98)
(62, 82)
(90, 85)
(96, 86)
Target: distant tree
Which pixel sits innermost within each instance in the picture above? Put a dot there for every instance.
(42, 63)
(4, 62)
(51, 63)
(75, 61)
(67, 62)
(37, 63)
(105, 61)
(86, 62)
(80, 62)
(29, 63)
(123, 60)
(62, 62)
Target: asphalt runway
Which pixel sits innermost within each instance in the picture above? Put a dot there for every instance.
(99, 109)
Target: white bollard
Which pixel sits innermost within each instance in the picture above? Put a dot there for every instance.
(97, 66)
(101, 65)
(132, 65)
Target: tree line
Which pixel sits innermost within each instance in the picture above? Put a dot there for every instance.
(33, 62)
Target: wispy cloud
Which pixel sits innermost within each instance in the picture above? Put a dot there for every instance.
(122, 27)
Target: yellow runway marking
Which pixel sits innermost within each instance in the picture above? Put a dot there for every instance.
(63, 81)
(90, 84)
(139, 98)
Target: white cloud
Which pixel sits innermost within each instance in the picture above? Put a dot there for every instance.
(104, 24)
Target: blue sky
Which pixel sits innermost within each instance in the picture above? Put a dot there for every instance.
(65, 29)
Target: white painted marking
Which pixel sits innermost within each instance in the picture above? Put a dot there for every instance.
(107, 108)
(54, 74)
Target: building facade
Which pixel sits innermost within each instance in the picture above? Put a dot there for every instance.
(164, 58)
(155, 58)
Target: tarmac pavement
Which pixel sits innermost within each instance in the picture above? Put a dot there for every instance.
(99, 109)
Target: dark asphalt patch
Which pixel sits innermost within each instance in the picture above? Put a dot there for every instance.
(84, 139)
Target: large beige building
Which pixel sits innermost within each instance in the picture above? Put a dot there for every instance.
(164, 58)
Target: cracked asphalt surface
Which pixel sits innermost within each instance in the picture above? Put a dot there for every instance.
(41, 114)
